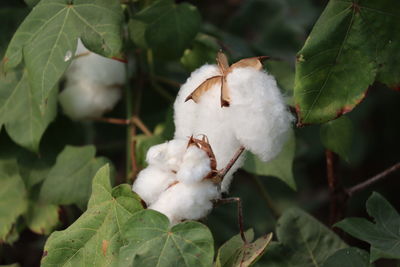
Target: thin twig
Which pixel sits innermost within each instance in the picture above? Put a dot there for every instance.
(167, 81)
(361, 186)
(113, 121)
(139, 123)
(275, 212)
(240, 212)
(231, 162)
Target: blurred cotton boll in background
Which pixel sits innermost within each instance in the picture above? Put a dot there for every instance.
(93, 85)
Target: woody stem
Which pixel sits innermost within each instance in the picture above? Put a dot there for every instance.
(231, 162)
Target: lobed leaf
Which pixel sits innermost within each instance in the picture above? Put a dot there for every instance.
(303, 241)
(47, 38)
(165, 27)
(348, 257)
(152, 242)
(383, 235)
(95, 238)
(69, 180)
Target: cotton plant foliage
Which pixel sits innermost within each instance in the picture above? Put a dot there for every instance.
(218, 110)
(93, 85)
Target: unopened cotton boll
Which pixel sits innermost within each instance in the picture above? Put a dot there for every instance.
(92, 85)
(257, 111)
(151, 182)
(195, 166)
(186, 201)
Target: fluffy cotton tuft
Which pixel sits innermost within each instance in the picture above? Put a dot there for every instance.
(92, 85)
(187, 201)
(151, 182)
(195, 166)
(257, 117)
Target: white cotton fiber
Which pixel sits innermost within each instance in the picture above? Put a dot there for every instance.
(258, 114)
(187, 201)
(257, 117)
(92, 85)
(194, 167)
(151, 182)
(207, 117)
(156, 155)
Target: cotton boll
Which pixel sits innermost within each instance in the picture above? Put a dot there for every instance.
(156, 155)
(258, 114)
(207, 117)
(92, 85)
(151, 182)
(186, 201)
(86, 100)
(175, 150)
(195, 166)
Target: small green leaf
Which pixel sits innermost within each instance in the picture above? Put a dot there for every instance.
(69, 181)
(337, 135)
(166, 27)
(95, 238)
(152, 242)
(303, 241)
(235, 253)
(20, 110)
(350, 44)
(41, 218)
(384, 235)
(280, 167)
(13, 197)
(348, 257)
(50, 32)
(204, 50)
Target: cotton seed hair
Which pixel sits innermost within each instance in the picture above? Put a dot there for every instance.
(233, 106)
(92, 85)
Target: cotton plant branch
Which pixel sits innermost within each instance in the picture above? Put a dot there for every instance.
(374, 179)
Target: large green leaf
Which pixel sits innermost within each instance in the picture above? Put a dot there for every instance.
(13, 198)
(20, 110)
(166, 27)
(95, 238)
(70, 179)
(384, 235)
(280, 167)
(348, 257)
(47, 38)
(351, 42)
(236, 253)
(337, 136)
(152, 242)
(303, 241)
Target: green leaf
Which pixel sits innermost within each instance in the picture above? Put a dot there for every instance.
(20, 110)
(348, 257)
(13, 198)
(236, 253)
(351, 42)
(47, 38)
(203, 50)
(280, 167)
(165, 27)
(32, 3)
(384, 235)
(337, 136)
(303, 241)
(95, 238)
(41, 218)
(152, 242)
(69, 181)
